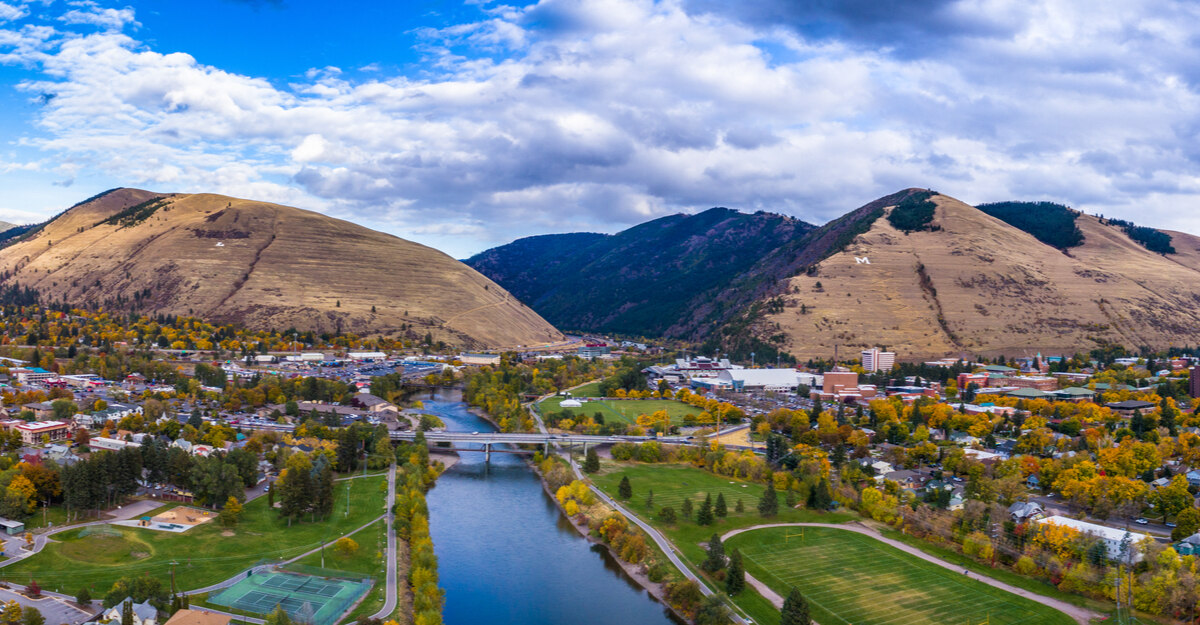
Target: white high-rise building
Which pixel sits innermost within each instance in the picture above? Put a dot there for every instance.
(875, 360)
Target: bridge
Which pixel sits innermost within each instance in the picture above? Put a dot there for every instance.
(488, 439)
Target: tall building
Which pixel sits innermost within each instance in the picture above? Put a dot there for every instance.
(875, 360)
(1194, 382)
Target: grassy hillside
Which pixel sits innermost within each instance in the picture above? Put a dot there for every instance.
(262, 265)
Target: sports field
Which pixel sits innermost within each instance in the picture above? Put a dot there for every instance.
(306, 598)
(852, 579)
(623, 410)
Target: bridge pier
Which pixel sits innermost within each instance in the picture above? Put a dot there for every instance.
(487, 453)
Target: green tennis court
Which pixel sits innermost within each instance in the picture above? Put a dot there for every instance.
(306, 598)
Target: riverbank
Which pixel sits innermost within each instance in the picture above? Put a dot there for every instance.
(447, 458)
(635, 572)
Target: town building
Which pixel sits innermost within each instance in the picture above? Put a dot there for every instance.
(143, 613)
(111, 444)
(701, 367)
(1128, 407)
(593, 350)
(1120, 544)
(1194, 382)
(874, 360)
(197, 617)
(33, 431)
(32, 374)
(841, 385)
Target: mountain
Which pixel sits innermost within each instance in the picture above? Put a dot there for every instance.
(916, 271)
(967, 282)
(262, 265)
(647, 280)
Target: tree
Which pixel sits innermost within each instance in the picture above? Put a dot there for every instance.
(33, 589)
(735, 577)
(768, 506)
(1172, 498)
(705, 515)
(667, 514)
(1187, 523)
(195, 420)
(214, 481)
(295, 486)
(64, 409)
(231, 513)
(650, 499)
(712, 611)
(716, 555)
(591, 463)
(719, 508)
(795, 609)
(127, 612)
(739, 507)
(346, 547)
(12, 613)
(31, 616)
(84, 596)
(278, 617)
(624, 489)
(685, 508)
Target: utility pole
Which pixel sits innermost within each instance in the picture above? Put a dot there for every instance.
(173, 563)
(347, 497)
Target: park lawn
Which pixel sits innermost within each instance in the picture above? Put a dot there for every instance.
(591, 389)
(851, 578)
(622, 410)
(53, 516)
(203, 554)
(673, 482)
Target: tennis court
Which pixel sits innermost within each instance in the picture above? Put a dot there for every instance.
(306, 598)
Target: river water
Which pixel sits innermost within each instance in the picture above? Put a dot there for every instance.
(506, 555)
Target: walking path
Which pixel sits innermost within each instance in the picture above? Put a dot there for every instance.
(390, 600)
(1082, 615)
(667, 547)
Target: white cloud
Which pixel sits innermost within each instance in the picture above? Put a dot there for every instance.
(11, 12)
(90, 14)
(598, 114)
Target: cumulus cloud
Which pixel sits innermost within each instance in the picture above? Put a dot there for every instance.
(10, 12)
(597, 114)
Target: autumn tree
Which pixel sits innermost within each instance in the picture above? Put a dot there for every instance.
(1173, 498)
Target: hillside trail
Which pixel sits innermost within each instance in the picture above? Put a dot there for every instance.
(1081, 615)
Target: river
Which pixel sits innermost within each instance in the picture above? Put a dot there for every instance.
(506, 555)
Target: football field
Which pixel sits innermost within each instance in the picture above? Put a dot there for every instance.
(852, 579)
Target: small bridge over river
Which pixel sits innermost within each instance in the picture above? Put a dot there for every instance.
(485, 441)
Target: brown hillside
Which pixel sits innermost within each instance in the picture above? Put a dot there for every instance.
(980, 286)
(266, 265)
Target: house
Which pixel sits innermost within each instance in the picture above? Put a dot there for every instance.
(143, 613)
(111, 444)
(1118, 542)
(198, 617)
(1026, 511)
(372, 403)
(12, 528)
(1193, 477)
(905, 478)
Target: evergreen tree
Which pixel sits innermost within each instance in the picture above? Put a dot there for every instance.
(719, 508)
(735, 577)
(716, 555)
(768, 506)
(821, 495)
(591, 463)
(789, 498)
(667, 514)
(739, 507)
(686, 508)
(84, 596)
(323, 493)
(127, 612)
(195, 420)
(795, 610)
(624, 489)
(705, 515)
(650, 500)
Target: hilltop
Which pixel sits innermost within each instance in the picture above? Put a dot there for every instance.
(970, 283)
(645, 280)
(262, 265)
(916, 271)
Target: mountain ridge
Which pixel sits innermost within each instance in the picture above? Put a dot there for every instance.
(263, 265)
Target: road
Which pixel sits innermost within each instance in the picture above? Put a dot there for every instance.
(1082, 615)
(1055, 506)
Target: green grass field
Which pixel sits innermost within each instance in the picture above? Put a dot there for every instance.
(204, 555)
(849, 578)
(673, 482)
(623, 410)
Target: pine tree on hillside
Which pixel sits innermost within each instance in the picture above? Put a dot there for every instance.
(705, 515)
(625, 489)
(735, 578)
(591, 463)
(768, 506)
(716, 555)
(685, 508)
(719, 509)
(795, 610)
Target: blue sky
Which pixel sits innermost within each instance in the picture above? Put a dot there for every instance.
(464, 125)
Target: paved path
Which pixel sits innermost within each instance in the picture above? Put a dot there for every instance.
(1082, 615)
(391, 599)
(663, 543)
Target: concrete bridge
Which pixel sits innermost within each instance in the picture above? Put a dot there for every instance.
(488, 439)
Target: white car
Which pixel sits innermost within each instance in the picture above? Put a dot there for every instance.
(1142, 522)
